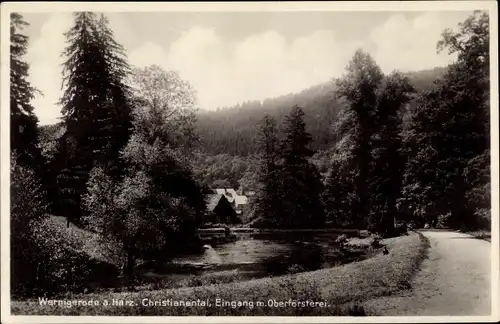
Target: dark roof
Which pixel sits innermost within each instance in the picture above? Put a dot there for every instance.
(213, 201)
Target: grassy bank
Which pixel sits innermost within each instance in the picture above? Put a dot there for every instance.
(481, 234)
(83, 240)
(339, 288)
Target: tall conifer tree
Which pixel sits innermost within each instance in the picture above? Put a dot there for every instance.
(301, 204)
(268, 200)
(94, 105)
(23, 128)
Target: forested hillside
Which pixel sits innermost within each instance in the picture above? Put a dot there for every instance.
(233, 130)
(228, 135)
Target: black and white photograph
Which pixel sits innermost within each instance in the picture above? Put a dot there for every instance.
(285, 160)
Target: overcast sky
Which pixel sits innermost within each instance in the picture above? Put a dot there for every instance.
(232, 57)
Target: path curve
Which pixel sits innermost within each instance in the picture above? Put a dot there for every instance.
(453, 281)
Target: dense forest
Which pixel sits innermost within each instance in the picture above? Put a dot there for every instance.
(132, 157)
(227, 138)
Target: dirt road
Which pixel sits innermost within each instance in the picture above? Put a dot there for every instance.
(453, 281)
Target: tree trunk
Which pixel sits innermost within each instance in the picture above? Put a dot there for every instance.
(458, 213)
(362, 191)
(391, 211)
(130, 269)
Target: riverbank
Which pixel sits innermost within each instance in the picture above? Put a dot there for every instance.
(339, 289)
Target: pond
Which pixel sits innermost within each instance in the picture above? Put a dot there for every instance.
(251, 255)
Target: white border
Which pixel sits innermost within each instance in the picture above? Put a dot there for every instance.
(39, 7)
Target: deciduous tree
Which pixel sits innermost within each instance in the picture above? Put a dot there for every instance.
(387, 164)
(450, 129)
(359, 92)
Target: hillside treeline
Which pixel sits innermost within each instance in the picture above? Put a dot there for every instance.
(232, 130)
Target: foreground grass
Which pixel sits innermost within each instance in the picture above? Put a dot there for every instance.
(342, 289)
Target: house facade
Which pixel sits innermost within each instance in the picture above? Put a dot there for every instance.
(220, 210)
(237, 200)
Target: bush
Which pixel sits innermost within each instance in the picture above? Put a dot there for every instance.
(295, 268)
(43, 260)
(400, 229)
(63, 269)
(478, 197)
(28, 210)
(150, 209)
(356, 310)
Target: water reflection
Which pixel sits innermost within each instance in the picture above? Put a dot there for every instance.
(258, 255)
(211, 256)
(247, 256)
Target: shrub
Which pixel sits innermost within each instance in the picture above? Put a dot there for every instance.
(143, 213)
(63, 268)
(400, 229)
(43, 260)
(356, 310)
(295, 268)
(478, 197)
(27, 213)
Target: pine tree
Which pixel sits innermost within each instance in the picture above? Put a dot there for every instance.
(118, 96)
(80, 98)
(95, 93)
(294, 147)
(268, 196)
(269, 141)
(301, 185)
(24, 133)
(95, 104)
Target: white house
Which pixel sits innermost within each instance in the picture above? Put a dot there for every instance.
(238, 201)
(221, 191)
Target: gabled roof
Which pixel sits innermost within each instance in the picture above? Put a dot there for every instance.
(226, 193)
(232, 192)
(213, 201)
(220, 191)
